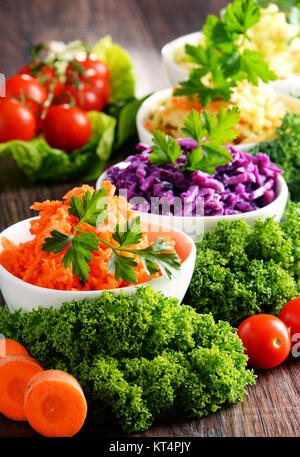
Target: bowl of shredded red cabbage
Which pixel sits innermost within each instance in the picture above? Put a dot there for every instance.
(246, 183)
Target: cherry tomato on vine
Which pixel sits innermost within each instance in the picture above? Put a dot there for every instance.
(290, 315)
(85, 67)
(266, 339)
(45, 74)
(27, 89)
(85, 96)
(17, 122)
(90, 72)
(67, 127)
(102, 86)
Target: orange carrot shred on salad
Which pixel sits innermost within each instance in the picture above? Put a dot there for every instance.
(149, 125)
(55, 405)
(29, 261)
(11, 347)
(186, 105)
(15, 373)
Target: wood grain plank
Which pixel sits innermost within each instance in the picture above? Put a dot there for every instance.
(170, 20)
(85, 20)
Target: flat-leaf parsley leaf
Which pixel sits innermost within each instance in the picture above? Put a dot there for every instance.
(222, 59)
(211, 134)
(90, 209)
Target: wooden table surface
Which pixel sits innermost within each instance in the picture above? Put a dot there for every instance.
(272, 408)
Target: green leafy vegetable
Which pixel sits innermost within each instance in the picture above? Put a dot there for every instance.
(90, 210)
(290, 223)
(284, 152)
(79, 253)
(221, 59)
(239, 16)
(122, 79)
(159, 254)
(210, 132)
(241, 272)
(138, 358)
(40, 162)
(125, 112)
(107, 126)
(165, 149)
(254, 68)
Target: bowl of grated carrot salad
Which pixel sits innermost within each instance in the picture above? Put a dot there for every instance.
(30, 277)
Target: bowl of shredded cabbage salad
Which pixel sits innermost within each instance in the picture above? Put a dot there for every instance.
(261, 107)
(246, 187)
(236, 60)
(276, 39)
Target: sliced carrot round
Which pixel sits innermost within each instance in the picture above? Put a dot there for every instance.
(55, 405)
(11, 347)
(15, 373)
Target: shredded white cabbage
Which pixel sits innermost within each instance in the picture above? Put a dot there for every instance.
(261, 112)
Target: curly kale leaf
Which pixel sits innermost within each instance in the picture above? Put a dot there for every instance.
(241, 272)
(268, 242)
(284, 152)
(290, 224)
(138, 358)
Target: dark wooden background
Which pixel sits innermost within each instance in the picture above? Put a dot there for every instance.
(272, 408)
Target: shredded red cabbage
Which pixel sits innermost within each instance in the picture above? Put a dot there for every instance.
(242, 185)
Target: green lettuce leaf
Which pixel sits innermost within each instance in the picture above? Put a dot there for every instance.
(41, 162)
(125, 112)
(122, 79)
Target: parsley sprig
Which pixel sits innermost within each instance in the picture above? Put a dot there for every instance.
(90, 209)
(211, 133)
(222, 57)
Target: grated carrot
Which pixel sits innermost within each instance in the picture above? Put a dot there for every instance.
(186, 104)
(149, 125)
(28, 262)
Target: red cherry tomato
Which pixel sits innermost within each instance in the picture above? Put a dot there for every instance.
(91, 72)
(102, 86)
(267, 340)
(86, 67)
(16, 121)
(28, 88)
(44, 74)
(67, 127)
(85, 96)
(290, 315)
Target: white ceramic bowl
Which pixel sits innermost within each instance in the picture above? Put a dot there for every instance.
(175, 72)
(289, 86)
(145, 110)
(197, 225)
(20, 294)
(150, 104)
(148, 107)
